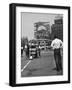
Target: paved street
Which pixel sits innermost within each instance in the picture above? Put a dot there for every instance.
(42, 66)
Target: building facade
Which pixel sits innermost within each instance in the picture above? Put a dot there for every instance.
(42, 35)
(57, 28)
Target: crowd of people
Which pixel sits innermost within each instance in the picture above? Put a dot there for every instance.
(28, 47)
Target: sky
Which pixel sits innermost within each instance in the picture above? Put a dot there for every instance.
(28, 20)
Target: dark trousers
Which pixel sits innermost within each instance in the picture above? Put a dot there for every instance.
(21, 52)
(57, 57)
(27, 52)
(39, 52)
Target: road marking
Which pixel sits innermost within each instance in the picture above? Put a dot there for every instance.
(25, 66)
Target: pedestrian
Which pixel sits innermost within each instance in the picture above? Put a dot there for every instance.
(57, 45)
(27, 50)
(39, 49)
(22, 50)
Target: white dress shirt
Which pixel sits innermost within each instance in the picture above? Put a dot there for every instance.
(56, 44)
